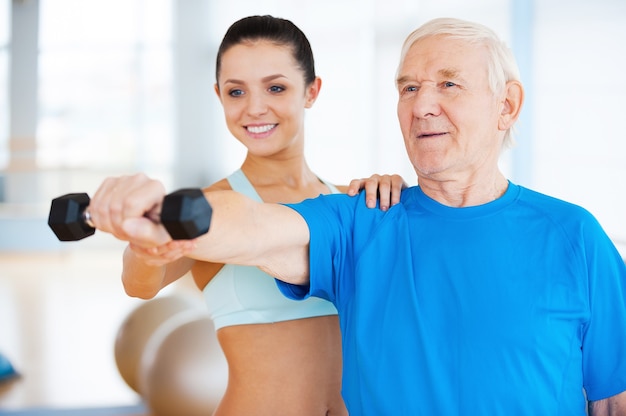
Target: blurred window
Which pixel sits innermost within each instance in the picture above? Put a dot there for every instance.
(4, 81)
(105, 92)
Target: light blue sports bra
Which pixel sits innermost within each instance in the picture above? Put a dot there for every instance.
(240, 295)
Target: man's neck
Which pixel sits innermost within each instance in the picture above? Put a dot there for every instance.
(465, 193)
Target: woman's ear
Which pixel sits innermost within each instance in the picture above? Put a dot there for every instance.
(312, 92)
(512, 105)
(217, 91)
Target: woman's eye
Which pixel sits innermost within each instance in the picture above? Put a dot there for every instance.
(276, 88)
(235, 93)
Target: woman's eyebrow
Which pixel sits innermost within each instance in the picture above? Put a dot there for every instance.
(272, 77)
(264, 79)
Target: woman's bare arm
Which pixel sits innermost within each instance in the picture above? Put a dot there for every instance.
(142, 280)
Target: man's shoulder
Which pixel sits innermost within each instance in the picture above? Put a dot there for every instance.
(550, 203)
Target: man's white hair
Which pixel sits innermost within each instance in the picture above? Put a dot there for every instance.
(502, 66)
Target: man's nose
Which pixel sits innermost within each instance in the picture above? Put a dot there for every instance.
(426, 102)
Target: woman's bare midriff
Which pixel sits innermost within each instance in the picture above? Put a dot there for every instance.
(285, 368)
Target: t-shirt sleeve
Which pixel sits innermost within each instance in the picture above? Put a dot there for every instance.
(330, 220)
(604, 338)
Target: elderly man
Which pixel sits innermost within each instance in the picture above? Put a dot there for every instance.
(474, 295)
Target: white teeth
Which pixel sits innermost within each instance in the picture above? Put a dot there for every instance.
(260, 129)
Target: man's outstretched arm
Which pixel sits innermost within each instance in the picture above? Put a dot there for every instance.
(242, 231)
(271, 236)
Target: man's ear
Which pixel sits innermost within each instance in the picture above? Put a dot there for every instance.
(312, 92)
(512, 105)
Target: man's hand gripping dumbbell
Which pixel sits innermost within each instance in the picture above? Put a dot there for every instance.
(185, 214)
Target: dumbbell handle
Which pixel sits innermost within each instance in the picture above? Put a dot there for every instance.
(185, 214)
(153, 215)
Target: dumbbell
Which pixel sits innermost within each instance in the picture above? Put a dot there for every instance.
(185, 214)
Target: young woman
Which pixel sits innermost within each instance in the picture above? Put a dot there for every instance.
(284, 356)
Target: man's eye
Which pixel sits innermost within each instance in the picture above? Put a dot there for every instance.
(449, 84)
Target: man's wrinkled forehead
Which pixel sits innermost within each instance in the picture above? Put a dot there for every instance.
(446, 56)
(444, 73)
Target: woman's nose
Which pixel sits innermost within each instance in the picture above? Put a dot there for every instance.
(256, 105)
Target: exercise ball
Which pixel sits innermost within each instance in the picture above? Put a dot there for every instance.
(183, 369)
(139, 326)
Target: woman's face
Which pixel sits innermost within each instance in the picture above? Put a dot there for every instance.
(264, 97)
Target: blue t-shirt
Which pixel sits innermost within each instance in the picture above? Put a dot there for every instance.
(508, 308)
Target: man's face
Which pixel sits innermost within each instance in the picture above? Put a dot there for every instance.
(447, 112)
